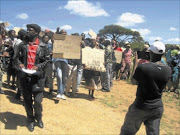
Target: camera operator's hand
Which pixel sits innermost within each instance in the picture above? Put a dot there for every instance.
(135, 62)
(21, 66)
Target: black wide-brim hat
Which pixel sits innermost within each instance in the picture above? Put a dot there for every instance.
(36, 27)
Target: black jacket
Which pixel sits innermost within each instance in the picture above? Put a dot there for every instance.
(42, 56)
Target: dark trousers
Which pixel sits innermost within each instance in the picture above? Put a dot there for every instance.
(135, 117)
(32, 99)
(48, 74)
(117, 70)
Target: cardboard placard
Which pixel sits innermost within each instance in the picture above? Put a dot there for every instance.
(59, 37)
(92, 34)
(93, 59)
(17, 29)
(6, 24)
(69, 48)
(118, 55)
(41, 34)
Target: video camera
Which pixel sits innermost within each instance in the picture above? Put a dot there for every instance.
(143, 55)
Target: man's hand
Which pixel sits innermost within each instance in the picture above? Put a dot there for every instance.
(35, 68)
(5, 54)
(21, 66)
(51, 52)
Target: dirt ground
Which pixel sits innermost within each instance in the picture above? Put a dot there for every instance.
(104, 115)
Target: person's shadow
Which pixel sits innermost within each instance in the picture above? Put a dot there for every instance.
(51, 96)
(10, 94)
(12, 120)
(80, 95)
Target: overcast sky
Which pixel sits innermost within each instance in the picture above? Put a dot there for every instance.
(154, 19)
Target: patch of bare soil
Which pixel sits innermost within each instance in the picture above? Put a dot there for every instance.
(104, 115)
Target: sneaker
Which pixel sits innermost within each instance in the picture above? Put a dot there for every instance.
(103, 90)
(63, 97)
(58, 96)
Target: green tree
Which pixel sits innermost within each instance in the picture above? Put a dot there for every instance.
(119, 33)
(137, 46)
(122, 35)
(168, 46)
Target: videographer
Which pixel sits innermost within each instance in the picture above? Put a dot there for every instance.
(147, 108)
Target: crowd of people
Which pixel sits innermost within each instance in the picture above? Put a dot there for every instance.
(173, 60)
(29, 50)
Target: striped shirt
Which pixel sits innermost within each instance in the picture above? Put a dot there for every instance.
(32, 48)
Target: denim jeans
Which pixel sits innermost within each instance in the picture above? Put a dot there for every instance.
(79, 75)
(62, 70)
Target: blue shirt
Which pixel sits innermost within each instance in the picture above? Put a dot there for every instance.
(58, 59)
(168, 56)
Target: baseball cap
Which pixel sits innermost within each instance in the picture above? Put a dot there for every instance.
(128, 45)
(158, 47)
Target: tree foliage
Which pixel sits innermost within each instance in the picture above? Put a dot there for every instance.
(120, 34)
(168, 46)
(137, 46)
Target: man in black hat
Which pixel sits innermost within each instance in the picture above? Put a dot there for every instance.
(32, 54)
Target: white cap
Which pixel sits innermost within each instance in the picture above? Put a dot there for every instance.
(158, 47)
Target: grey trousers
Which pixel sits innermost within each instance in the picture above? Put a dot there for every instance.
(135, 117)
(72, 79)
(107, 77)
